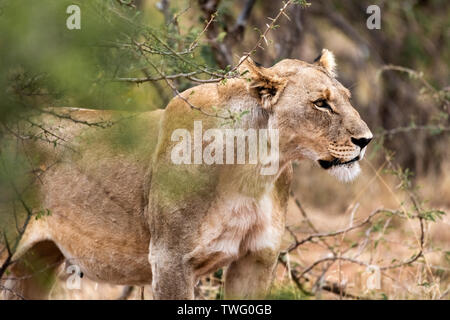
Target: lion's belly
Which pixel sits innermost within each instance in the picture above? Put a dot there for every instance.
(107, 258)
(119, 268)
(98, 221)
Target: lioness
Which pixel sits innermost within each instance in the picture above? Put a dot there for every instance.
(125, 213)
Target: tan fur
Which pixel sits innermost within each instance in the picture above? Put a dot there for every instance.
(125, 214)
(327, 61)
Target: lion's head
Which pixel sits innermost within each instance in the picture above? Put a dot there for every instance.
(313, 113)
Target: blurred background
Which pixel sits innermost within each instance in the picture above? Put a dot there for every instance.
(399, 79)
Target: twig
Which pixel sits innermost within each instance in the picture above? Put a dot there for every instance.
(335, 233)
(443, 295)
(128, 4)
(329, 286)
(164, 77)
(12, 291)
(100, 124)
(309, 222)
(263, 36)
(410, 128)
(178, 94)
(412, 73)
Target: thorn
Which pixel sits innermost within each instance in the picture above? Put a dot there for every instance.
(286, 15)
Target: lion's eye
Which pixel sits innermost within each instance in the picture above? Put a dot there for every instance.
(322, 104)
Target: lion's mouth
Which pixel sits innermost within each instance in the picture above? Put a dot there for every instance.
(327, 164)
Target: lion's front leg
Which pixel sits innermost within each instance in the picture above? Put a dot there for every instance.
(250, 277)
(172, 278)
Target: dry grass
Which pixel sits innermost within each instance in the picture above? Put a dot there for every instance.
(330, 205)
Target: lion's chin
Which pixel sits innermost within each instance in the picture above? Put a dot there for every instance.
(345, 172)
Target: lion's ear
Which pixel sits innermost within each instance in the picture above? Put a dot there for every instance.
(263, 84)
(326, 60)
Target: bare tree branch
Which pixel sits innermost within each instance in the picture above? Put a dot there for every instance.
(241, 22)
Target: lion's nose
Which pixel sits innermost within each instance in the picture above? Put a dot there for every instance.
(361, 142)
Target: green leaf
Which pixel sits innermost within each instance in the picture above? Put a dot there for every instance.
(424, 284)
(43, 213)
(447, 256)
